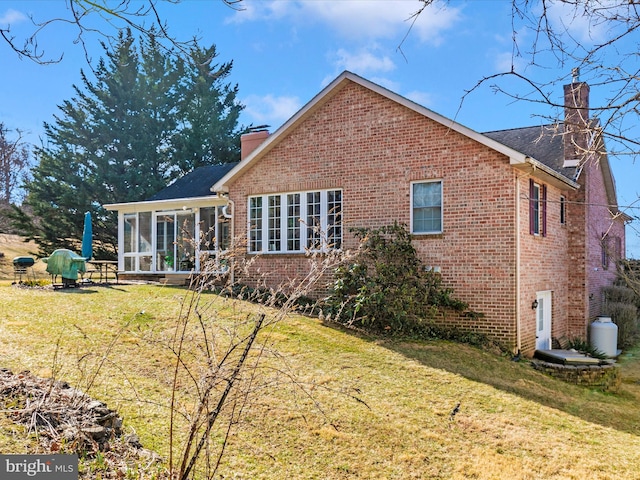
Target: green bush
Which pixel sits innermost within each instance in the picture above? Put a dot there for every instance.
(386, 288)
(581, 345)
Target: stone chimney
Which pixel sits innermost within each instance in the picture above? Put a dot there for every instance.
(576, 121)
(250, 141)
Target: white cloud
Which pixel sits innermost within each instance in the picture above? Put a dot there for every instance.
(361, 19)
(503, 62)
(434, 21)
(270, 109)
(583, 28)
(11, 17)
(362, 62)
(422, 98)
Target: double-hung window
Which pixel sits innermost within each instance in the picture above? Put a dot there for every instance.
(537, 209)
(295, 222)
(606, 251)
(426, 207)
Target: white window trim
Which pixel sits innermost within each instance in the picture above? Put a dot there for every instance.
(324, 227)
(413, 232)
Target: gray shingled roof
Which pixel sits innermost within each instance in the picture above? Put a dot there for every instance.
(197, 183)
(543, 143)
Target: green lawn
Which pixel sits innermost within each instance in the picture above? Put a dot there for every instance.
(322, 403)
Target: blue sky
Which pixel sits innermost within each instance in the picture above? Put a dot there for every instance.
(285, 51)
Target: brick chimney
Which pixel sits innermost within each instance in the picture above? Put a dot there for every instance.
(250, 141)
(576, 121)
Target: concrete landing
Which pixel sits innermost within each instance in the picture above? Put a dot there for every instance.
(567, 357)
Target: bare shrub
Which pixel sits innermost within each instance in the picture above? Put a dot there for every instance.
(220, 351)
(620, 305)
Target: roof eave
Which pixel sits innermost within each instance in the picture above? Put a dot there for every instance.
(546, 173)
(332, 89)
(326, 93)
(169, 204)
(517, 159)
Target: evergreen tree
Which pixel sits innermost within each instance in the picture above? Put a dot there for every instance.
(205, 97)
(147, 118)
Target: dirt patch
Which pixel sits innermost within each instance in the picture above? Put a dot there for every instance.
(66, 420)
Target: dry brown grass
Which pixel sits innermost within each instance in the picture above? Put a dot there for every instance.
(13, 246)
(328, 404)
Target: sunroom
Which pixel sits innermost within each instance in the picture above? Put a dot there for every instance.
(175, 231)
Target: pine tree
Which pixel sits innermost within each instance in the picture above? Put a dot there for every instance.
(148, 117)
(206, 96)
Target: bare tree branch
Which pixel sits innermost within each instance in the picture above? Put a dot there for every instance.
(14, 165)
(143, 17)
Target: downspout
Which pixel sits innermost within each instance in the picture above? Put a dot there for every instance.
(518, 319)
(233, 233)
(120, 241)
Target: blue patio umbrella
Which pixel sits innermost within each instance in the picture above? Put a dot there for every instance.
(87, 237)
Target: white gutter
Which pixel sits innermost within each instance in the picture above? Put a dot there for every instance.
(170, 204)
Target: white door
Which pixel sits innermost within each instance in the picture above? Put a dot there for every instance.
(543, 321)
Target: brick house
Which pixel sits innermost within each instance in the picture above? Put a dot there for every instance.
(523, 223)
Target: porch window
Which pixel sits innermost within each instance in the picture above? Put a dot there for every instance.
(295, 222)
(175, 241)
(137, 242)
(215, 231)
(167, 241)
(426, 207)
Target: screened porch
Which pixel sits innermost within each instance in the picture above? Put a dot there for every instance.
(171, 237)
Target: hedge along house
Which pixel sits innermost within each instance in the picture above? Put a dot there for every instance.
(523, 224)
(167, 236)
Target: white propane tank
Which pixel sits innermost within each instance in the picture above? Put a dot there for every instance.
(604, 336)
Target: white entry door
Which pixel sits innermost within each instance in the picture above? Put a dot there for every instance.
(543, 321)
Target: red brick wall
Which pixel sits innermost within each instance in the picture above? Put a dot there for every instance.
(372, 148)
(543, 265)
(599, 224)
(578, 297)
(589, 212)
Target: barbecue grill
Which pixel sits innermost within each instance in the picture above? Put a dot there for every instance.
(23, 266)
(67, 264)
